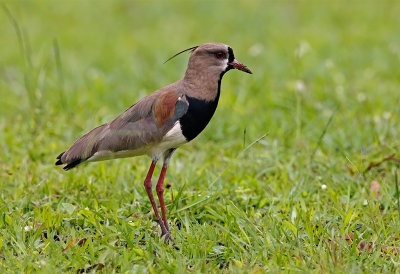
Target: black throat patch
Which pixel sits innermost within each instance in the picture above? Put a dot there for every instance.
(231, 56)
(199, 114)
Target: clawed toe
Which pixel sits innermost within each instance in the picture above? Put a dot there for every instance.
(168, 238)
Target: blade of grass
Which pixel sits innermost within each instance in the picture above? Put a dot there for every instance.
(324, 131)
(396, 181)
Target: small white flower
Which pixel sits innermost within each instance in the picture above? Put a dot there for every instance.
(302, 49)
(361, 97)
(386, 115)
(377, 119)
(323, 187)
(256, 49)
(329, 63)
(300, 87)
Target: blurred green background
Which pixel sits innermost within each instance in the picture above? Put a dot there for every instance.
(324, 98)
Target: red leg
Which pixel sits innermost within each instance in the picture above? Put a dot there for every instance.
(160, 193)
(148, 186)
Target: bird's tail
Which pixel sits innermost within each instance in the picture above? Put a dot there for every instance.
(69, 165)
(81, 150)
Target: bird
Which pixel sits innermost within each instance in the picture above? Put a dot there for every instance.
(161, 122)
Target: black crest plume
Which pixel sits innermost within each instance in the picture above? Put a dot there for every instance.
(185, 50)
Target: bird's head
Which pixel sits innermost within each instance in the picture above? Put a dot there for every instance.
(215, 57)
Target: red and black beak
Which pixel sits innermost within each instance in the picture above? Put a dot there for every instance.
(236, 65)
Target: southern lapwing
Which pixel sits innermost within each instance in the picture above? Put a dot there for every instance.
(162, 121)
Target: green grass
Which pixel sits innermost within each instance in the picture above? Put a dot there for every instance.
(245, 196)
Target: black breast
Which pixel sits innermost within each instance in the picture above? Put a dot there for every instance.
(198, 115)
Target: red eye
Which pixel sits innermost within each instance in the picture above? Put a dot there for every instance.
(220, 55)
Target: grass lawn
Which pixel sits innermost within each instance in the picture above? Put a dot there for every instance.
(280, 180)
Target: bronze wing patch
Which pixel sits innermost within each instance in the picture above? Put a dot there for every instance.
(164, 107)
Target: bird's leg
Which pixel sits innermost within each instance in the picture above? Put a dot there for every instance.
(160, 193)
(148, 186)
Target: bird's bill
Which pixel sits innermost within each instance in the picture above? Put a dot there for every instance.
(236, 65)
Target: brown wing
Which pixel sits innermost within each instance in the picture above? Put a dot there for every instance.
(141, 125)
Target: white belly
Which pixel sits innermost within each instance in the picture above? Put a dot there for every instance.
(173, 139)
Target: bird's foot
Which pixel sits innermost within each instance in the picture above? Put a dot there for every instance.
(168, 238)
